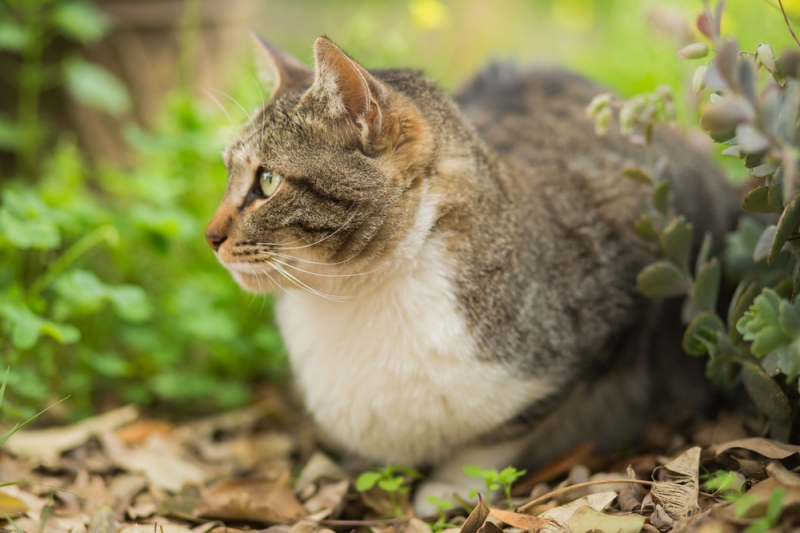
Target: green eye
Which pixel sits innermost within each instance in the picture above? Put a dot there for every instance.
(269, 181)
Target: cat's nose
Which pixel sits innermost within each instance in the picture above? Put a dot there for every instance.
(215, 240)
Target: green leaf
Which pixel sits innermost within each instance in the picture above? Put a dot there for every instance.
(789, 319)
(705, 252)
(94, 86)
(705, 321)
(81, 288)
(764, 244)
(644, 228)
(80, 21)
(765, 393)
(768, 339)
(473, 471)
(706, 285)
(775, 197)
(790, 219)
(661, 198)
(367, 480)
(31, 233)
(638, 174)
(757, 201)
(391, 485)
(130, 302)
(789, 362)
(662, 280)
(676, 241)
(13, 36)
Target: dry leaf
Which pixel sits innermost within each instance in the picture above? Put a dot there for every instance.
(11, 506)
(48, 444)
(252, 498)
(476, 518)
(161, 466)
(768, 448)
(318, 467)
(553, 469)
(522, 521)
(785, 477)
(560, 516)
(489, 527)
(679, 494)
(328, 498)
(586, 519)
(142, 429)
(103, 521)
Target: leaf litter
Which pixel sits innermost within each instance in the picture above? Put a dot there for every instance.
(259, 468)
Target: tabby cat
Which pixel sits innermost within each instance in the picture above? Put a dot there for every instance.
(455, 279)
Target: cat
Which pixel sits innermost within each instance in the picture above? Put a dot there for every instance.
(455, 279)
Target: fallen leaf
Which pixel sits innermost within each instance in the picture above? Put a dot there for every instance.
(768, 448)
(678, 495)
(142, 429)
(522, 521)
(587, 519)
(250, 498)
(317, 468)
(559, 516)
(553, 468)
(11, 506)
(328, 498)
(489, 527)
(103, 521)
(161, 466)
(476, 518)
(785, 477)
(48, 444)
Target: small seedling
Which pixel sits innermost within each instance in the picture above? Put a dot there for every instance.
(772, 515)
(495, 480)
(442, 505)
(392, 479)
(729, 485)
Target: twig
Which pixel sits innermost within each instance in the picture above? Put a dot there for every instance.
(356, 523)
(780, 3)
(564, 490)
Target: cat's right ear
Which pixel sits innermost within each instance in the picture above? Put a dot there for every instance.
(279, 69)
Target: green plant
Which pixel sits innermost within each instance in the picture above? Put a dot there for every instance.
(442, 505)
(730, 485)
(772, 513)
(393, 479)
(753, 110)
(495, 480)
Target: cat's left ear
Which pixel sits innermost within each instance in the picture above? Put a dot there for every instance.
(279, 69)
(348, 89)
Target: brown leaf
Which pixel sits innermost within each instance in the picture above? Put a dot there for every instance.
(678, 495)
(586, 519)
(103, 521)
(48, 444)
(328, 498)
(476, 518)
(141, 429)
(553, 469)
(522, 521)
(489, 527)
(768, 448)
(785, 477)
(250, 498)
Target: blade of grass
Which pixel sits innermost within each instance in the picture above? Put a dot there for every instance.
(3, 386)
(10, 521)
(28, 421)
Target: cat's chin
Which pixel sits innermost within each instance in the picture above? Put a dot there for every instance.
(252, 279)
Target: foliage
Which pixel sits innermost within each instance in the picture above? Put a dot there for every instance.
(728, 484)
(495, 480)
(772, 513)
(442, 505)
(106, 284)
(753, 110)
(395, 480)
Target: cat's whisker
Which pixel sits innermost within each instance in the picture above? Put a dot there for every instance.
(302, 285)
(308, 261)
(222, 107)
(232, 99)
(324, 275)
(274, 282)
(263, 122)
(277, 243)
(324, 238)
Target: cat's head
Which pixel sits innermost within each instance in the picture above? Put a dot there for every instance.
(327, 179)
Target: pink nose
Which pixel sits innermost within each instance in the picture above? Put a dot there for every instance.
(214, 240)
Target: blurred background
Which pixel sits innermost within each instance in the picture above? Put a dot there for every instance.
(112, 118)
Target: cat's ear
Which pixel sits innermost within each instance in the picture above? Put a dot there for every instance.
(279, 69)
(348, 88)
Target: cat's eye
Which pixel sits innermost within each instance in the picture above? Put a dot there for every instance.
(269, 181)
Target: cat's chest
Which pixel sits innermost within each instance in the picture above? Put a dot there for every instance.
(396, 374)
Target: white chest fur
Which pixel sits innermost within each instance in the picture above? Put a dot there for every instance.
(393, 375)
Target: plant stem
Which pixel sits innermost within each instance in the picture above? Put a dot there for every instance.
(30, 85)
(104, 233)
(785, 18)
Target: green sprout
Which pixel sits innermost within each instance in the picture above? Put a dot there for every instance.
(393, 479)
(495, 480)
(442, 505)
(729, 485)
